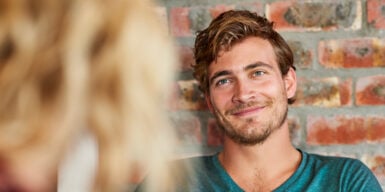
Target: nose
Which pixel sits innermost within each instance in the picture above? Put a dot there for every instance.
(243, 92)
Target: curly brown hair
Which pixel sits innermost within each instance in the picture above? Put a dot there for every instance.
(232, 27)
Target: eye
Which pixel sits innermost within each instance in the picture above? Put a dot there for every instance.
(258, 73)
(221, 82)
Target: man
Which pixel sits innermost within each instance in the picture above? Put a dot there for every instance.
(245, 69)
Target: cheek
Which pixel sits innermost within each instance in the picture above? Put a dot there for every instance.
(220, 100)
(274, 89)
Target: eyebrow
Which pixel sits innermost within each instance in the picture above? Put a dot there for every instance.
(218, 74)
(257, 64)
(248, 67)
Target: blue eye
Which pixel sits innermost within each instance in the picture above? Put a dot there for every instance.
(222, 82)
(258, 73)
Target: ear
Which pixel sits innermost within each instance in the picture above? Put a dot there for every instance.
(290, 80)
(208, 102)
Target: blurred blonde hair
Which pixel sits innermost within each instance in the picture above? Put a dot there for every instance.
(69, 65)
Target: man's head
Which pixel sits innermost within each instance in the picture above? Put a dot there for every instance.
(230, 28)
(246, 71)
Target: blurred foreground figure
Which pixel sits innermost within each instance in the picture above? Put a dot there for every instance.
(73, 66)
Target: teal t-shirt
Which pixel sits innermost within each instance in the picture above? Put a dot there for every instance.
(315, 173)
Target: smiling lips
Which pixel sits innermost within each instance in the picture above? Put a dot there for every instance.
(247, 111)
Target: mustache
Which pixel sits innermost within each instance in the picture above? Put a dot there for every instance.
(242, 106)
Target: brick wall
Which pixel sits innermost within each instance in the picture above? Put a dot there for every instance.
(339, 49)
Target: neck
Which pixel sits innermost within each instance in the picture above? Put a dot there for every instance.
(270, 163)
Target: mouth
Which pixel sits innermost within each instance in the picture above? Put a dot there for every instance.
(247, 111)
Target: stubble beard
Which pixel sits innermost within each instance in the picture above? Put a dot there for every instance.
(252, 131)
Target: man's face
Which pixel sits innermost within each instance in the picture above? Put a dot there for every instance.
(247, 93)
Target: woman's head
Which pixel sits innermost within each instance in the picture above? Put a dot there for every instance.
(71, 65)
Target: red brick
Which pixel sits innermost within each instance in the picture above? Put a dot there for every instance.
(352, 53)
(186, 58)
(295, 130)
(180, 22)
(303, 57)
(377, 165)
(200, 18)
(252, 6)
(335, 130)
(276, 11)
(214, 133)
(189, 97)
(376, 13)
(376, 129)
(315, 16)
(217, 10)
(345, 130)
(324, 92)
(346, 92)
(370, 90)
(188, 129)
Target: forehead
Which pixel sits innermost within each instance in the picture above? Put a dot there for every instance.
(250, 50)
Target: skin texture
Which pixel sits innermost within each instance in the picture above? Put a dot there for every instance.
(248, 95)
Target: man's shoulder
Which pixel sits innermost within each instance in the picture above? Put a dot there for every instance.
(312, 174)
(336, 165)
(325, 160)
